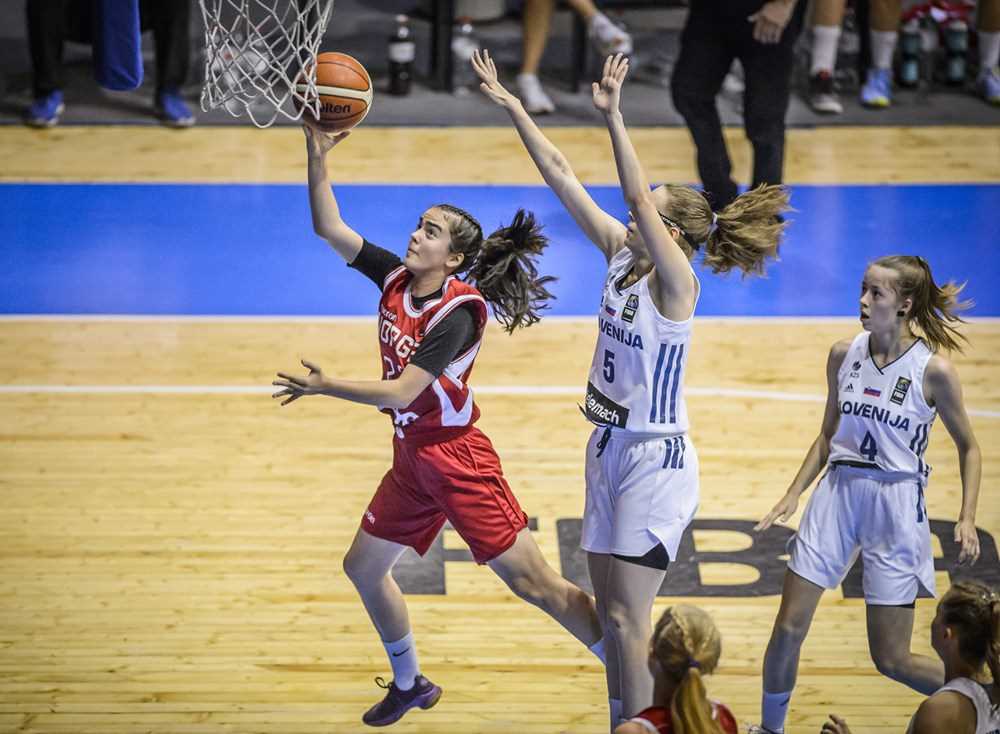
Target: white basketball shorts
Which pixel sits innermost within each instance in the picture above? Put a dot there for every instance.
(640, 491)
(884, 518)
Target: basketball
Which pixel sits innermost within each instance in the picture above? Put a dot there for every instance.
(345, 91)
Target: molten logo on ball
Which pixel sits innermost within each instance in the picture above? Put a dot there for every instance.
(343, 88)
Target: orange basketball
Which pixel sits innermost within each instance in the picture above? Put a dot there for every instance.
(345, 91)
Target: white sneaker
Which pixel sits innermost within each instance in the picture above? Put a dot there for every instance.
(608, 38)
(534, 98)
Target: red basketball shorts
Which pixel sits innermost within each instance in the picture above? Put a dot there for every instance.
(458, 480)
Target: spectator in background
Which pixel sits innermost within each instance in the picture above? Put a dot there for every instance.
(884, 24)
(52, 22)
(827, 18)
(762, 36)
(537, 17)
(988, 28)
(965, 634)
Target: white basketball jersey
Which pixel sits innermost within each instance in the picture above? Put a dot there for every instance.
(884, 419)
(636, 376)
(987, 715)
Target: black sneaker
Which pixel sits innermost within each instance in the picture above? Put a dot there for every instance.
(396, 702)
(822, 96)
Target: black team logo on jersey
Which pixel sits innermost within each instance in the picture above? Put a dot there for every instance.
(603, 410)
(631, 306)
(899, 392)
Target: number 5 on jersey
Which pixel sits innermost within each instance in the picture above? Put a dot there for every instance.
(609, 365)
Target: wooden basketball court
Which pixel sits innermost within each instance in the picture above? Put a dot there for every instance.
(172, 540)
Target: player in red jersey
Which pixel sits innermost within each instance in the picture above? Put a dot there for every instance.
(684, 648)
(431, 321)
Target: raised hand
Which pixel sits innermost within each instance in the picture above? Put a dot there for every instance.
(782, 512)
(607, 92)
(319, 143)
(491, 86)
(295, 387)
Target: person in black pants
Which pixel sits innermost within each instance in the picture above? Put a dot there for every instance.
(762, 36)
(52, 22)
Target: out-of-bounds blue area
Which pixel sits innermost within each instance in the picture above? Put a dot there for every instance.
(249, 249)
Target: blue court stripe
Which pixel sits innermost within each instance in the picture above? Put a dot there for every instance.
(666, 382)
(656, 382)
(677, 382)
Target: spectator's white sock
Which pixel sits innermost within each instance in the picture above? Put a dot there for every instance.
(598, 649)
(403, 659)
(773, 710)
(989, 50)
(615, 704)
(883, 46)
(824, 48)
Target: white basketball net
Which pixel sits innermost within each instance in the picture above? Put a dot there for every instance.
(255, 49)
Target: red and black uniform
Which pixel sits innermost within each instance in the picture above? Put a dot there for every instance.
(657, 719)
(443, 468)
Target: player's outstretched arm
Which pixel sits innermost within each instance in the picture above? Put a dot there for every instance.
(819, 452)
(600, 227)
(943, 390)
(327, 222)
(397, 393)
(673, 270)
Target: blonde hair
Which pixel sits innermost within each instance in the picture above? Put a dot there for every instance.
(973, 609)
(687, 646)
(742, 236)
(935, 308)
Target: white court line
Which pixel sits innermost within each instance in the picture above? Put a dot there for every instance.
(569, 390)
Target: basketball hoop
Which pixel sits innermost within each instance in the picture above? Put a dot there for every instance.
(255, 50)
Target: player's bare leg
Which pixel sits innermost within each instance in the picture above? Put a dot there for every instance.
(890, 629)
(599, 565)
(524, 569)
(368, 564)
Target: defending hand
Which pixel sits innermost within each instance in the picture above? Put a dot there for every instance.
(607, 92)
(296, 387)
(491, 86)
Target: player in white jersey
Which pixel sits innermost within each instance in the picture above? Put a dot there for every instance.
(641, 467)
(965, 634)
(886, 386)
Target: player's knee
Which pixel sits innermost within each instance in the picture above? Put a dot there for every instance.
(789, 633)
(623, 622)
(528, 588)
(356, 571)
(890, 664)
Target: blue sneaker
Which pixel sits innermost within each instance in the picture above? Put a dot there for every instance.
(45, 111)
(172, 110)
(877, 91)
(989, 85)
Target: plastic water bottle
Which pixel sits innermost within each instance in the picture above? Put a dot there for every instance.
(956, 41)
(909, 52)
(401, 53)
(463, 44)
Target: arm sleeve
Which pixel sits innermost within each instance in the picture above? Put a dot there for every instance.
(375, 262)
(455, 333)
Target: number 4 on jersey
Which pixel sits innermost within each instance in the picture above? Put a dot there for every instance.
(868, 448)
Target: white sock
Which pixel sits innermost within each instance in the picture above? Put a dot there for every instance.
(403, 659)
(773, 710)
(615, 704)
(883, 46)
(598, 649)
(989, 50)
(824, 49)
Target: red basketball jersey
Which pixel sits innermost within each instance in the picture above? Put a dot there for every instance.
(446, 408)
(657, 719)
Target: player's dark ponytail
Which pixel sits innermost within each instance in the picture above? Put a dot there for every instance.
(502, 265)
